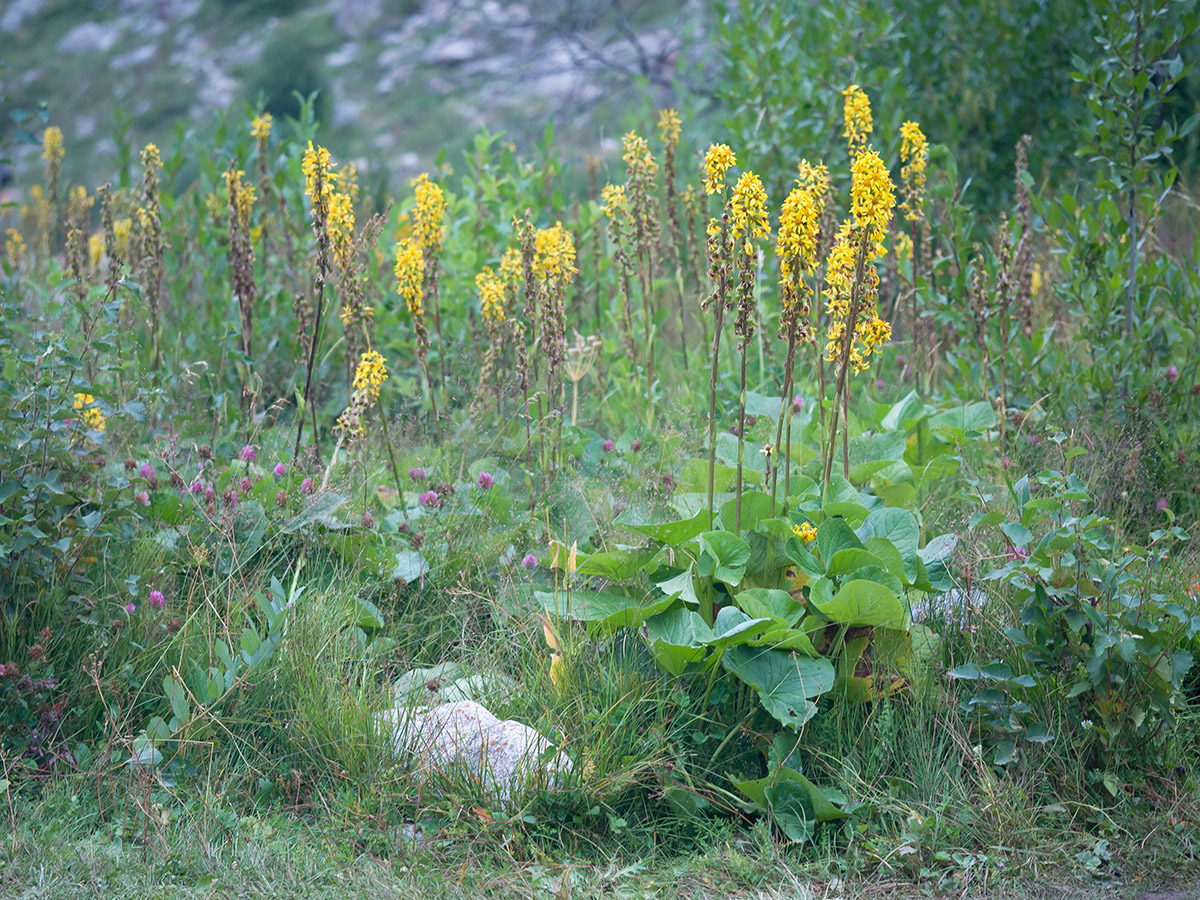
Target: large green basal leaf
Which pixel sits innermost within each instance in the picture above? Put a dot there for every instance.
(723, 557)
(610, 611)
(770, 603)
(673, 533)
(786, 682)
(678, 638)
(756, 790)
(898, 526)
(862, 602)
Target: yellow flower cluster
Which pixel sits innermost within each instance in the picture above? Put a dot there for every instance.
(14, 244)
(52, 145)
(315, 166)
(856, 108)
(428, 214)
(370, 374)
(241, 194)
(410, 275)
(491, 294)
(613, 201)
(260, 128)
(635, 151)
(872, 197)
(902, 245)
(914, 155)
(669, 126)
(151, 161)
(89, 412)
(814, 177)
(122, 230)
(554, 253)
(340, 225)
(96, 249)
(1035, 278)
(717, 161)
(840, 268)
(799, 224)
(806, 532)
(510, 267)
(749, 211)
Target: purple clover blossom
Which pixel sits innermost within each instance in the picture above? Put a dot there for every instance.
(142, 499)
(147, 472)
(879, 384)
(197, 486)
(486, 481)
(636, 446)
(430, 499)
(1161, 505)
(280, 470)
(248, 453)
(130, 608)
(529, 562)
(1172, 373)
(797, 404)
(210, 494)
(245, 485)
(416, 474)
(306, 486)
(157, 600)
(607, 446)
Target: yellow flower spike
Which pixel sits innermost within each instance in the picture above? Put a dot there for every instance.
(14, 244)
(635, 151)
(872, 197)
(316, 166)
(717, 161)
(914, 155)
(749, 211)
(669, 126)
(856, 109)
(491, 294)
(52, 144)
(554, 253)
(260, 127)
(428, 213)
(89, 412)
(410, 275)
(370, 374)
(613, 201)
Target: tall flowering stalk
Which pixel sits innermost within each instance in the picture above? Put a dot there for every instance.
(52, 154)
(241, 265)
(914, 157)
(856, 112)
(669, 128)
(615, 204)
(316, 166)
(854, 329)
(815, 179)
(554, 268)
(410, 285)
(717, 161)
(79, 207)
(150, 246)
(796, 246)
(748, 216)
(497, 298)
(641, 168)
(430, 233)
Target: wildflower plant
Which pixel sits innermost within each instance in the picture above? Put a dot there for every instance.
(150, 248)
(429, 233)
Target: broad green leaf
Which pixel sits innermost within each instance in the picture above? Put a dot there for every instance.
(861, 602)
(410, 565)
(756, 506)
(673, 533)
(785, 682)
(852, 558)
(733, 627)
(369, 615)
(317, 510)
(680, 584)
(971, 419)
(724, 556)
(756, 791)
(770, 603)
(792, 810)
(900, 528)
(610, 611)
(833, 535)
(616, 565)
(677, 638)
